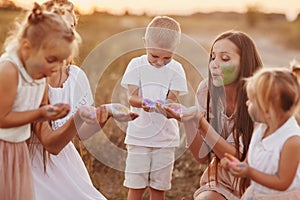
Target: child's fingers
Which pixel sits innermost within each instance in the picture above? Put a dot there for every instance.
(172, 114)
(133, 116)
(230, 157)
(160, 109)
(57, 111)
(102, 114)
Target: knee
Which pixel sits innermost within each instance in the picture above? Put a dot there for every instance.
(209, 195)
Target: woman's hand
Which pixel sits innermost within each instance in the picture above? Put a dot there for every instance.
(179, 112)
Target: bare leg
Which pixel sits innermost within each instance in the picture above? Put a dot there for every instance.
(135, 194)
(157, 194)
(210, 195)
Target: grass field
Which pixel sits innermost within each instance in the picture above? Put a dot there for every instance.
(200, 29)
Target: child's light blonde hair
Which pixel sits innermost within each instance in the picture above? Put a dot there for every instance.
(163, 32)
(275, 87)
(295, 66)
(42, 28)
(62, 7)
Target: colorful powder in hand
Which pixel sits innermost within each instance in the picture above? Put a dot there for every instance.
(149, 103)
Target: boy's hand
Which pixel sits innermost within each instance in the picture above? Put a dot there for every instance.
(120, 112)
(234, 166)
(54, 112)
(148, 105)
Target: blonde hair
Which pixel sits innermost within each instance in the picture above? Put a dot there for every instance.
(40, 28)
(62, 7)
(163, 32)
(275, 87)
(296, 70)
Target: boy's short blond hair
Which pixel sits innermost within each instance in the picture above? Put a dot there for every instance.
(163, 32)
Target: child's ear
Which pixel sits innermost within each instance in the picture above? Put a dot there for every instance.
(26, 48)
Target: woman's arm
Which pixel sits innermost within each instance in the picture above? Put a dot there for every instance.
(199, 130)
(217, 143)
(195, 142)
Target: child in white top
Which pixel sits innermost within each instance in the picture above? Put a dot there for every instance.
(273, 158)
(151, 138)
(43, 42)
(64, 175)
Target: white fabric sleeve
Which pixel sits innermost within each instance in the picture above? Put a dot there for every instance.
(178, 82)
(82, 91)
(131, 75)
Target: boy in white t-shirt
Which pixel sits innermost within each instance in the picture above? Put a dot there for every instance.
(151, 138)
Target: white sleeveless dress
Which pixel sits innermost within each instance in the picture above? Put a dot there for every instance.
(15, 169)
(66, 176)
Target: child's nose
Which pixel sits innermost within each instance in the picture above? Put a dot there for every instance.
(160, 62)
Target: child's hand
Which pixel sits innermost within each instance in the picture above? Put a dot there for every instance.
(234, 166)
(88, 114)
(102, 115)
(120, 112)
(54, 112)
(148, 105)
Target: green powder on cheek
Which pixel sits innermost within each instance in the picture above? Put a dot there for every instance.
(230, 73)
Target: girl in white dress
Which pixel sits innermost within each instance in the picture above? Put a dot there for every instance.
(63, 175)
(33, 52)
(273, 158)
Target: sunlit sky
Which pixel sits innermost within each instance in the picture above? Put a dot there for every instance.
(183, 7)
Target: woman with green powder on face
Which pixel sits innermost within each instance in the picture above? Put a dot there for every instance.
(222, 124)
(228, 127)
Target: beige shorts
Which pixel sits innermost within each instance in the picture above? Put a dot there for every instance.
(148, 166)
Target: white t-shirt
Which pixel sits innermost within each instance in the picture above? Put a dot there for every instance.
(29, 97)
(264, 154)
(153, 129)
